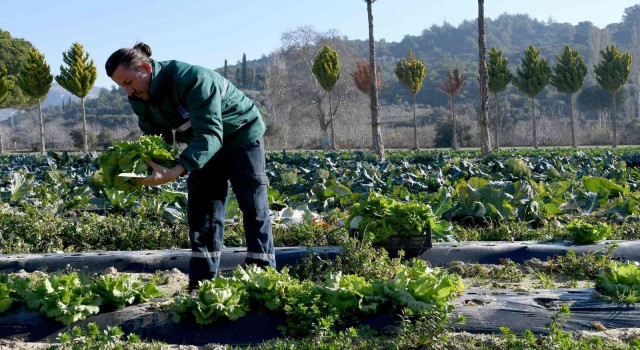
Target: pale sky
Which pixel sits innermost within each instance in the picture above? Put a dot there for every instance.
(206, 32)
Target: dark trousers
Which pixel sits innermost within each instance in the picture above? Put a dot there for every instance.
(242, 169)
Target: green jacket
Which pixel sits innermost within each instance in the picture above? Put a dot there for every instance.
(204, 110)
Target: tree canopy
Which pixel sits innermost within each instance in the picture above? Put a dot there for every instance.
(35, 76)
(80, 73)
(533, 74)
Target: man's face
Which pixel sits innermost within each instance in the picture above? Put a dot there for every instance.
(135, 81)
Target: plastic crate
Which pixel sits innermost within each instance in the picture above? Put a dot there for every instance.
(412, 245)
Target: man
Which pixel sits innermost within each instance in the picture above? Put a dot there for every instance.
(223, 130)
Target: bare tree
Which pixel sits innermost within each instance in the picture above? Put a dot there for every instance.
(299, 48)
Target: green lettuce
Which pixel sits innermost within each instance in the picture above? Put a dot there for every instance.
(130, 157)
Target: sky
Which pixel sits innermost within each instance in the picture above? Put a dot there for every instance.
(206, 32)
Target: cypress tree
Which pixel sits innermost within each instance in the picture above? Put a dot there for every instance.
(35, 80)
(326, 69)
(612, 73)
(411, 73)
(499, 78)
(226, 67)
(568, 77)
(531, 77)
(78, 78)
(244, 70)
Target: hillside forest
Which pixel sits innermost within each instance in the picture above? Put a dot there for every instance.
(296, 107)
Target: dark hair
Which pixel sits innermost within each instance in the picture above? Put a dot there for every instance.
(130, 57)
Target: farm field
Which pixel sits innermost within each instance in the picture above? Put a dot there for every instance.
(584, 201)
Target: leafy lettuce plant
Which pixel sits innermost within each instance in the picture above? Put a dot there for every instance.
(220, 298)
(265, 287)
(123, 289)
(422, 289)
(130, 157)
(8, 294)
(384, 217)
(620, 281)
(66, 298)
(583, 232)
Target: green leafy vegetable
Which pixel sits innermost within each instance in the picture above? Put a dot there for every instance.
(620, 280)
(130, 157)
(122, 290)
(584, 232)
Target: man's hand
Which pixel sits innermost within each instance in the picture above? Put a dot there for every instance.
(161, 174)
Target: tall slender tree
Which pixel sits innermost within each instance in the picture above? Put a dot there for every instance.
(612, 73)
(531, 77)
(244, 70)
(78, 78)
(411, 73)
(375, 105)
(485, 142)
(225, 70)
(326, 69)
(451, 86)
(499, 78)
(35, 80)
(568, 76)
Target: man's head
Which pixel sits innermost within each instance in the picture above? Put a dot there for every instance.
(131, 69)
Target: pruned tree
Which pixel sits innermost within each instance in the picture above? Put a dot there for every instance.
(411, 73)
(326, 69)
(375, 105)
(244, 70)
(451, 86)
(612, 73)
(499, 78)
(531, 77)
(485, 143)
(362, 77)
(35, 80)
(568, 76)
(78, 78)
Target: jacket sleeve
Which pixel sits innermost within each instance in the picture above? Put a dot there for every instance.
(202, 97)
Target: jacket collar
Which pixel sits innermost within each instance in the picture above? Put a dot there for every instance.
(157, 77)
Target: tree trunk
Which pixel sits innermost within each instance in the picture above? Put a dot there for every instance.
(573, 120)
(415, 125)
(454, 142)
(1, 144)
(533, 118)
(333, 131)
(375, 107)
(485, 142)
(496, 127)
(615, 121)
(42, 147)
(324, 125)
(84, 128)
